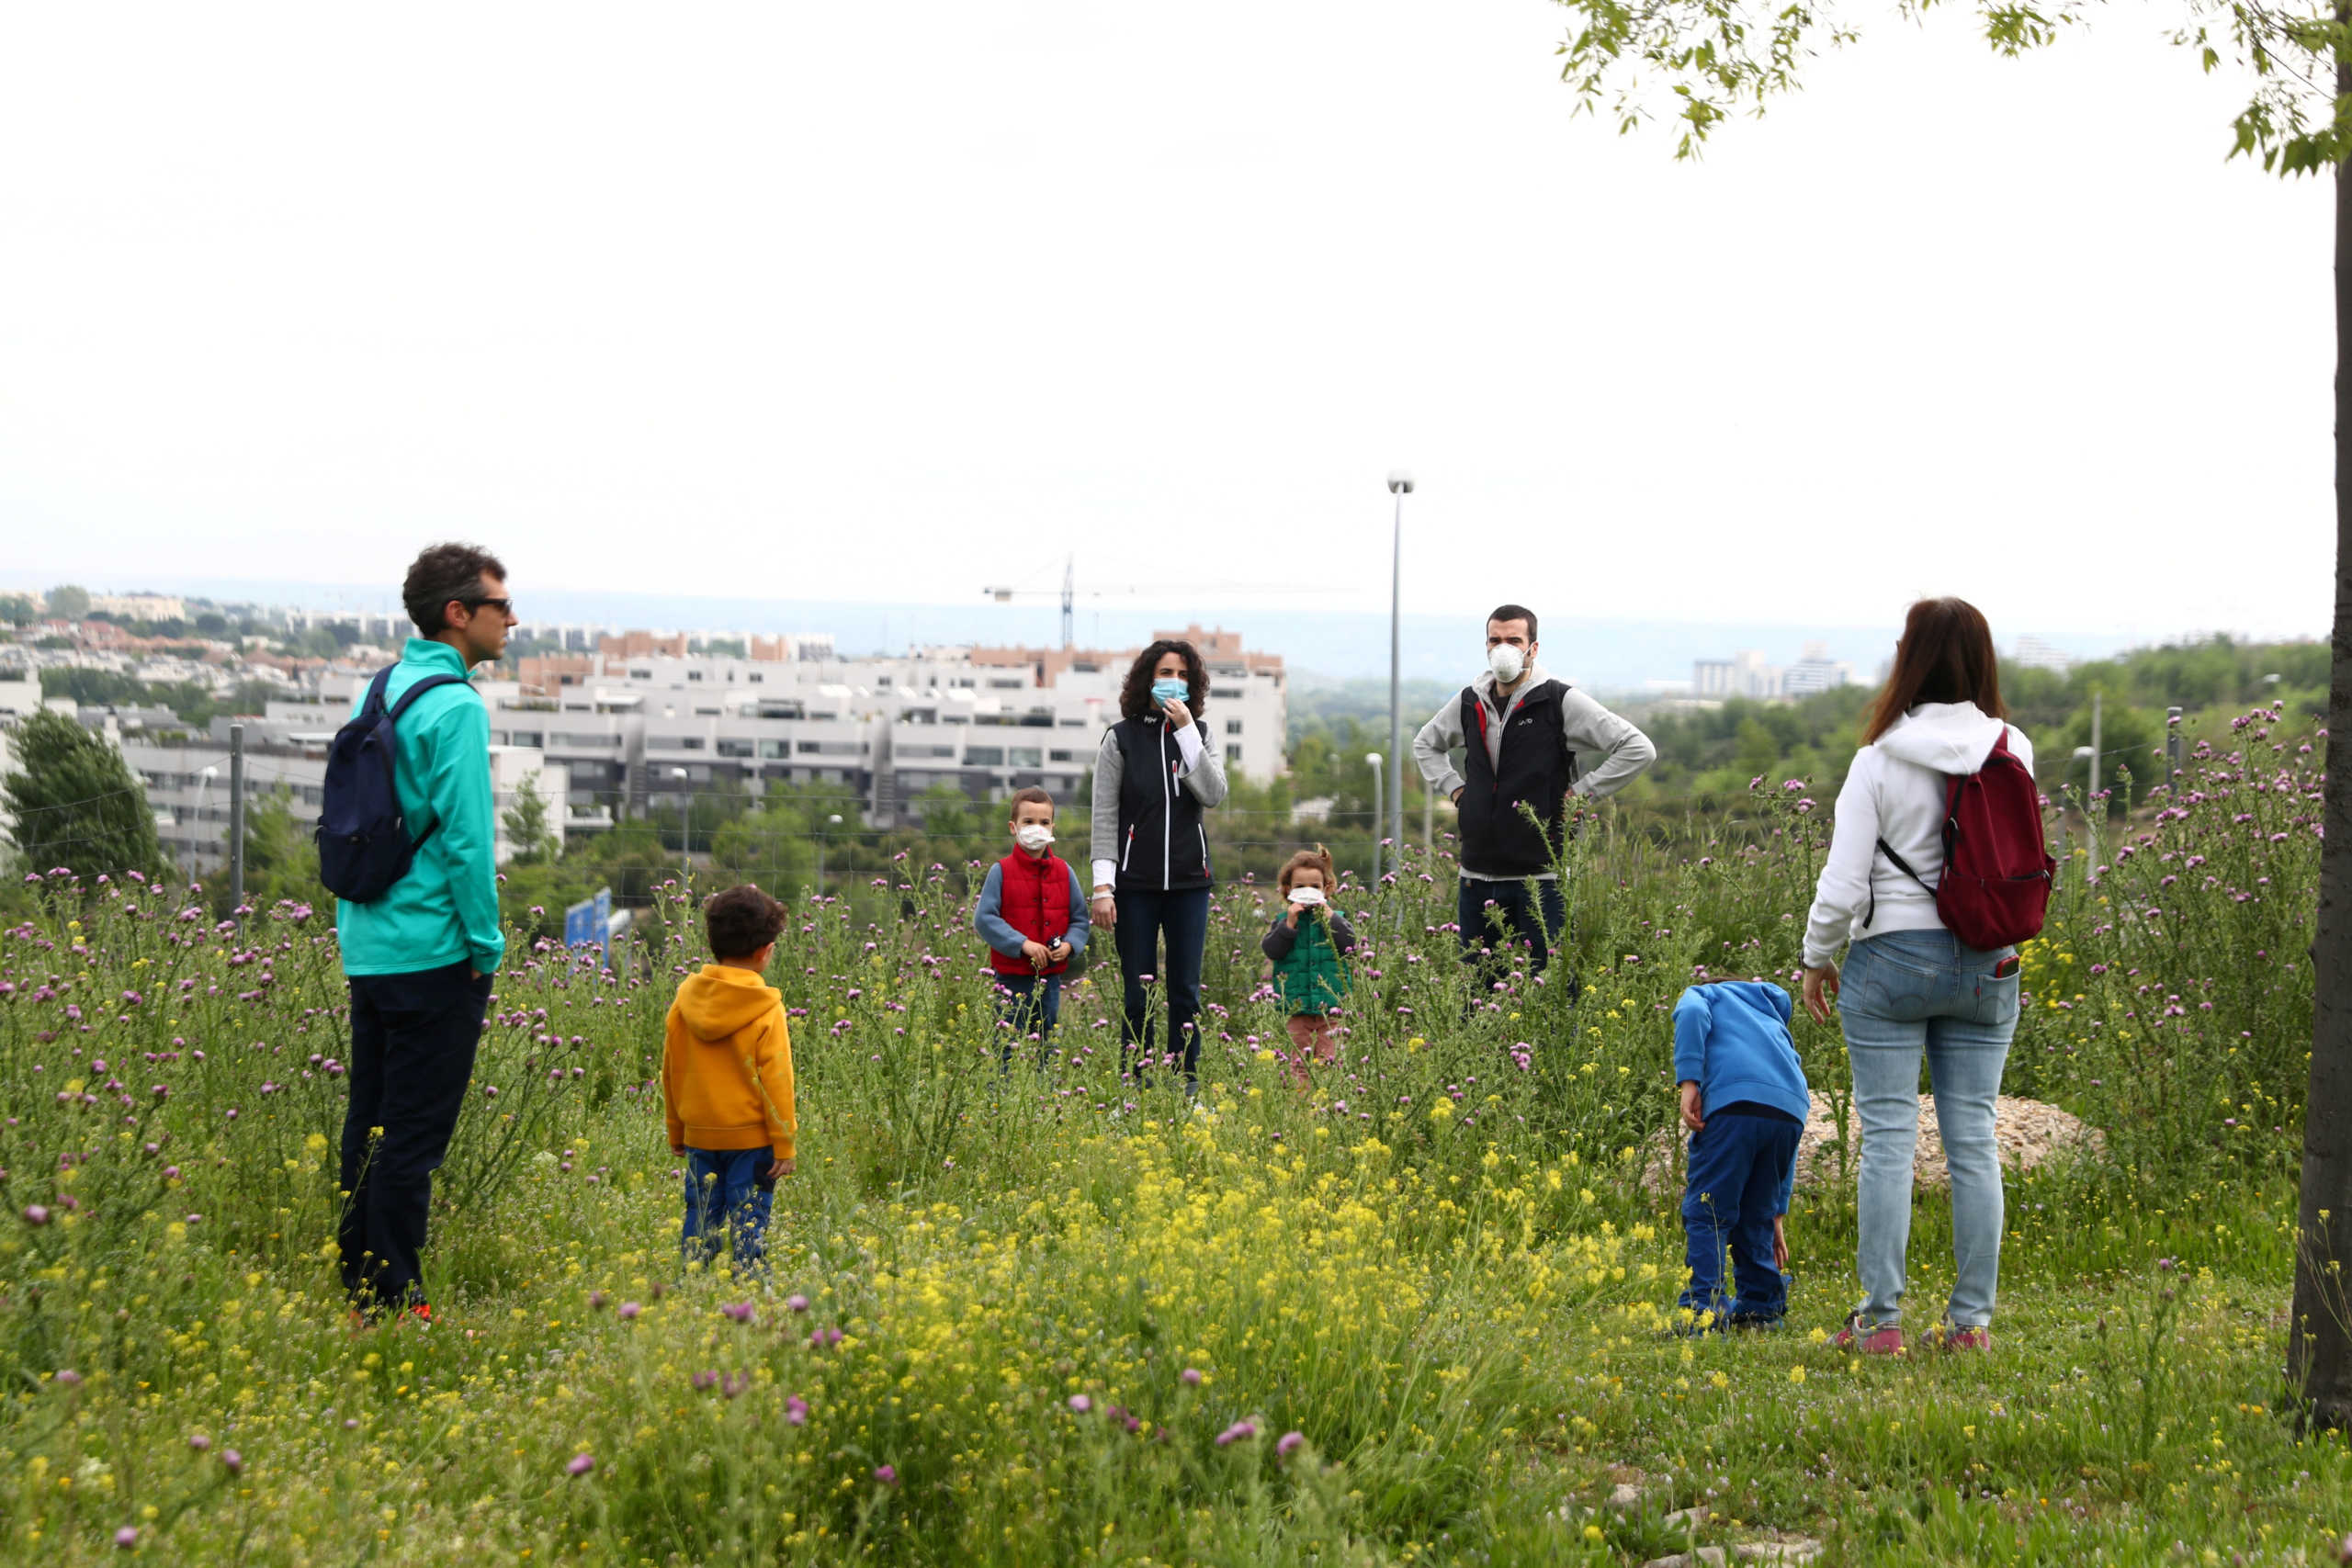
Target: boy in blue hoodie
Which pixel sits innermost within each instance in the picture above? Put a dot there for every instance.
(1744, 1101)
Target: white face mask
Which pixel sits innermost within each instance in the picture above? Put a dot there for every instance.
(1307, 895)
(1507, 662)
(1033, 836)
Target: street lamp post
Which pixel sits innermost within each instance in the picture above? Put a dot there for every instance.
(1400, 485)
(1372, 760)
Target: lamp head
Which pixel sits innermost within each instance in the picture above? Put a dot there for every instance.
(1399, 482)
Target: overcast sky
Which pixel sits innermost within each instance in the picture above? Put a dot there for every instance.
(890, 301)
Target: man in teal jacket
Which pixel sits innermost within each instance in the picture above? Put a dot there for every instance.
(419, 959)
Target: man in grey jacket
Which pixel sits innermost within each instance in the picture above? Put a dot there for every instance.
(1530, 743)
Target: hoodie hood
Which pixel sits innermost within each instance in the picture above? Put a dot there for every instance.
(1949, 737)
(718, 999)
(1768, 1001)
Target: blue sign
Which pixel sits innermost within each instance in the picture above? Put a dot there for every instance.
(589, 923)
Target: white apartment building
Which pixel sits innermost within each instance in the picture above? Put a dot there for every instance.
(1744, 674)
(630, 731)
(187, 781)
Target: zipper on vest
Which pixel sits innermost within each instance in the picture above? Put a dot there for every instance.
(1166, 809)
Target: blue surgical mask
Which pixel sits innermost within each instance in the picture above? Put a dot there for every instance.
(1170, 691)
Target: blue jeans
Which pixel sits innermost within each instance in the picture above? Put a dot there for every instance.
(1739, 1167)
(1146, 917)
(1901, 994)
(1531, 912)
(1028, 1005)
(727, 1189)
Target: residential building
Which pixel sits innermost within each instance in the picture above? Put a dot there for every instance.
(1815, 672)
(1744, 674)
(656, 724)
(2035, 654)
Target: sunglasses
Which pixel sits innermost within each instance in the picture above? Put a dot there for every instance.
(503, 606)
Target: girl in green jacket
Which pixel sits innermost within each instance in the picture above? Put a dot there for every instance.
(1308, 943)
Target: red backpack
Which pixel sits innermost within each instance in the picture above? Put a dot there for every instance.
(1998, 870)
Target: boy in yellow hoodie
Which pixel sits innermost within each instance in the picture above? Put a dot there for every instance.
(727, 1079)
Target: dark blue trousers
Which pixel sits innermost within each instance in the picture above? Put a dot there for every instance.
(412, 1040)
(1531, 913)
(1181, 919)
(1740, 1163)
(1027, 1008)
(727, 1190)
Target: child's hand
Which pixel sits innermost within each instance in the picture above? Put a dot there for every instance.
(1036, 953)
(1691, 1117)
(780, 1169)
(1779, 1243)
(1291, 919)
(678, 1149)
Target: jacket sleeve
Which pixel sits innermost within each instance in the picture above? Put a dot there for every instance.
(1432, 746)
(1692, 1017)
(1080, 925)
(1110, 768)
(670, 1061)
(1590, 730)
(1343, 935)
(776, 1084)
(1845, 886)
(988, 916)
(1279, 940)
(457, 786)
(1205, 778)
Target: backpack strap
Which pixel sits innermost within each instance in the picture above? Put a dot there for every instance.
(1950, 830)
(375, 693)
(376, 697)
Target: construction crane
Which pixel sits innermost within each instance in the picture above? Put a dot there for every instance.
(1069, 593)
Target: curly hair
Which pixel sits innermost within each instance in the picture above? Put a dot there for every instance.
(443, 573)
(1316, 859)
(1135, 695)
(740, 922)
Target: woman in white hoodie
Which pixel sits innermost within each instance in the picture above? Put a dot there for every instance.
(1909, 986)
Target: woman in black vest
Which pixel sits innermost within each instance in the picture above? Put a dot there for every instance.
(1153, 776)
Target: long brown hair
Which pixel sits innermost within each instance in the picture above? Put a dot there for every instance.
(1946, 656)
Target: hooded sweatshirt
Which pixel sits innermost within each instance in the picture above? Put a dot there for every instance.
(1731, 1038)
(726, 1063)
(1895, 791)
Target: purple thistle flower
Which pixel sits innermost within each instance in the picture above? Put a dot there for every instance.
(1080, 1404)
(795, 1410)
(1240, 1432)
(581, 1464)
(740, 1311)
(127, 1537)
(629, 1309)
(235, 1463)
(887, 1475)
(68, 1378)
(1192, 1377)
(198, 1441)
(35, 1215)
(1290, 1443)
(796, 1302)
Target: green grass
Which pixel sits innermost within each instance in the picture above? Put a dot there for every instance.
(1438, 1270)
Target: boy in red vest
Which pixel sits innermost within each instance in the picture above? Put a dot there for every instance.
(1032, 916)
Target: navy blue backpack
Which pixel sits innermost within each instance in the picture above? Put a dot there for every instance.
(364, 846)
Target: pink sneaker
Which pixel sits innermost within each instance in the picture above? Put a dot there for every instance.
(1966, 1337)
(1881, 1339)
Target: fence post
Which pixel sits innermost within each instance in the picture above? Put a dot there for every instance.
(236, 818)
